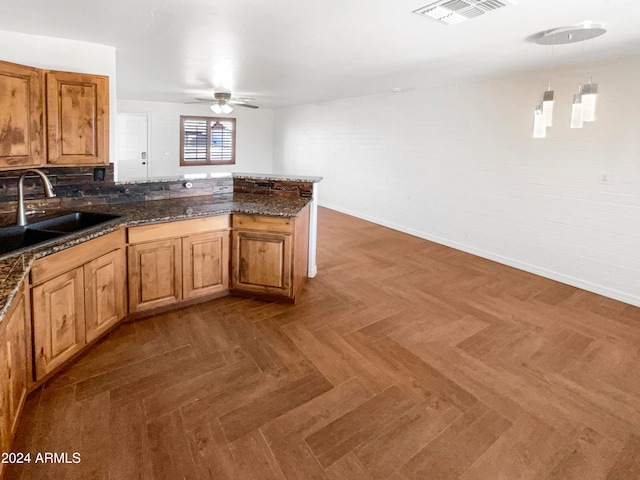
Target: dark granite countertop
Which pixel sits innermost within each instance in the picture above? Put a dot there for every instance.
(15, 268)
(245, 176)
(277, 177)
(187, 207)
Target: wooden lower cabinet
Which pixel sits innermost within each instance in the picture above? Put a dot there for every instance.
(105, 280)
(6, 435)
(14, 367)
(174, 261)
(77, 295)
(269, 255)
(205, 264)
(58, 320)
(262, 262)
(155, 276)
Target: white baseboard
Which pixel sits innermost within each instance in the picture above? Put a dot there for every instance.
(511, 262)
(313, 271)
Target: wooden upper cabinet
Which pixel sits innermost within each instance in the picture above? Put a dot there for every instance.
(77, 118)
(21, 116)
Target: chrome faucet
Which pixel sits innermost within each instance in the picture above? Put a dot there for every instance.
(48, 191)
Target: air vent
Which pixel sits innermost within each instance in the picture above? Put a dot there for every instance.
(456, 11)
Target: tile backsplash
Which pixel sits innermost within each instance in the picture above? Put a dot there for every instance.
(283, 188)
(77, 186)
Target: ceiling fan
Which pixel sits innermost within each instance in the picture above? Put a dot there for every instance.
(223, 103)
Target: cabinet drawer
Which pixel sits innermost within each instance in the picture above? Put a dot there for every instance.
(264, 223)
(178, 228)
(53, 265)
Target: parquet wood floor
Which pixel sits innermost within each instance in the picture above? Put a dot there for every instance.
(403, 360)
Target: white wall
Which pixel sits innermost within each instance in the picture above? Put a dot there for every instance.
(66, 55)
(254, 137)
(458, 165)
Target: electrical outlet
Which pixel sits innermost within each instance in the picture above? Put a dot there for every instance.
(605, 178)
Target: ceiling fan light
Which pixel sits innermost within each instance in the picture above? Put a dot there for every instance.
(216, 108)
(226, 108)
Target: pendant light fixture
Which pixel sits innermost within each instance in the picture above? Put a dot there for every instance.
(589, 98)
(543, 114)
(576, 110)
(583, 107)
(539, 126)
(547, 107)
(564, 35)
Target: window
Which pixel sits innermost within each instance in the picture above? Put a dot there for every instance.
(207, 141)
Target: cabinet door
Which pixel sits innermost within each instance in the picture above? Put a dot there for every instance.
(5, 394)
(205, 264)
(21, 119)
(77, 118)
(58, 320)
(105, 292)
(16, 358)
(261, 262)
(155, 274)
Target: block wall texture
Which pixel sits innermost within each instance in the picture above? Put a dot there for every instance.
(457, 165)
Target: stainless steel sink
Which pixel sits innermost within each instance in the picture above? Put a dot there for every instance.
(73, 222)
(47, 230)
(16, 238)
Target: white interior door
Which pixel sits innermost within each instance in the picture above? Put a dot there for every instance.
(133, 147)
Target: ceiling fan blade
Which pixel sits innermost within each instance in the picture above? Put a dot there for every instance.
(229, 101)
(241, 104)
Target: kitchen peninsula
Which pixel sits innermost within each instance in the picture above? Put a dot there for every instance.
(252, 237)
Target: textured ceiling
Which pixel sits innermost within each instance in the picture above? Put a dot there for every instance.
(288, 52)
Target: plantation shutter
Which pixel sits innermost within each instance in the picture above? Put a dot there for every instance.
(207, 141)
(221, 141)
